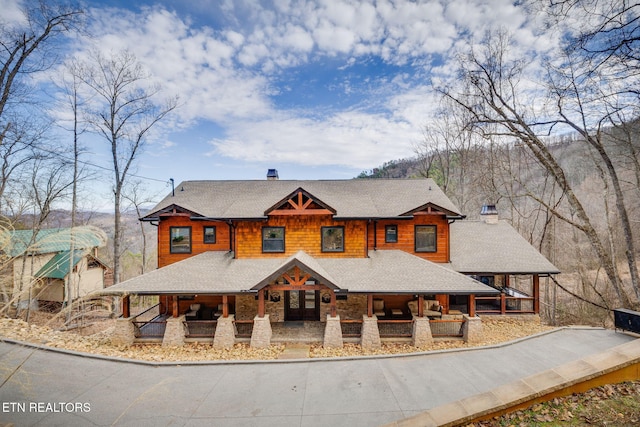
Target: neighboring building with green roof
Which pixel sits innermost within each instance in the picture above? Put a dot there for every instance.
(44, 266)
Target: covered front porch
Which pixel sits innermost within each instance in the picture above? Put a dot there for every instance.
(389, 295)
(351, 318)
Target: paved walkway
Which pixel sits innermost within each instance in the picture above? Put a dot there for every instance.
(36, 384)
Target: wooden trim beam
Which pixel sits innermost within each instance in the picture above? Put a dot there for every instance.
(175, 310)
(126, 306)
(301, 212)
(225, 306)
(301, 287)
(261, 305)
(472, 305)
(536, 294)
(332, 306)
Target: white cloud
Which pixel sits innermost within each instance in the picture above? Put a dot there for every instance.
(228, 75)
(11, 13)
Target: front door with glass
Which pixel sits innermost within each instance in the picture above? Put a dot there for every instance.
(302, 305)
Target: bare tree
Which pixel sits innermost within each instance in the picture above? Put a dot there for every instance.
(136, 194)
(500, 109)
(26, 48)
(122, 111)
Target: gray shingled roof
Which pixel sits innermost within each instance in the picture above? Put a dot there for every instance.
(355, 198)
(478, 247)
(383, 272)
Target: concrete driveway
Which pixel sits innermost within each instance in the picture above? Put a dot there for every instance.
(52, 388)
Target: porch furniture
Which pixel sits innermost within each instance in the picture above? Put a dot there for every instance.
(396, 312)
(194, 312)
(432, 308)
(378, 308)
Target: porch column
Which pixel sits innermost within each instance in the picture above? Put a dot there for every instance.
(471, 329)
(536, 294)
(225, 335)
(261, 306)
(124, 333)
(421, 334)
(225, 306)
(503, 303)
(370, 336)
(420, 305)
(174, 333)
(175, 310)
(333, 333)
(332, 304)
(472, 305)
(370, 305)
(126, 306)
(261, 334)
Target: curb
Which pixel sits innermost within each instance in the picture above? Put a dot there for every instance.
(287, 361)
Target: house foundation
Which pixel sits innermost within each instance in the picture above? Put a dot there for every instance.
(333, 333)
(225, 335)
(175, 332)
(370, 338)
(261, 334)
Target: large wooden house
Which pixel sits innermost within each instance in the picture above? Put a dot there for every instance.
(357, 258)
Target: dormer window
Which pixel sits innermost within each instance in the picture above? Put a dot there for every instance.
(180, 240)
(332, 239)
(273, 239)
(209, 234)
(425, 238)
(391, 233)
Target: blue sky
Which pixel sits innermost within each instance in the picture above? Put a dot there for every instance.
(315, 89)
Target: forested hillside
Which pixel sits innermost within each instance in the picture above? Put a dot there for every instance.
(525, 194)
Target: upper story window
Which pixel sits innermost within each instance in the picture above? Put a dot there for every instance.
(425, 238)
(332, 239)
(391, 234)
(273, 239)
(209, 234)
(180, 240)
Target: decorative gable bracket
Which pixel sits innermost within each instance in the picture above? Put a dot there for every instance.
(300, 202)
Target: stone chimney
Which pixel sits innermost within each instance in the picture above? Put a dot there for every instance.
(272, 175)
(489, 214)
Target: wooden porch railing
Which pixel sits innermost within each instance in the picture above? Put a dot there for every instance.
(446, 327)
(504, 304)
(150, 329)
(351, 328)
(393, 328)
(244, 328)
(200, 328)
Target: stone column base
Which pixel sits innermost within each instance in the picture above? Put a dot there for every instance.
(124, 333)
(225, 336)
(174, 333)
(332, 333)
(472, 329)
(261, 334)
(370, 336)
(421, 335)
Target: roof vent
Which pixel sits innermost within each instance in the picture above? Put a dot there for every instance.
(489, 214)
(272, 175)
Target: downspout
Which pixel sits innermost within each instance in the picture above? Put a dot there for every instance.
(231, 237)
(375, 234)
(366, 239)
